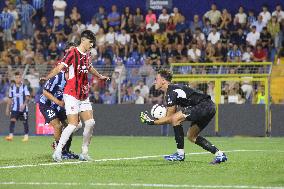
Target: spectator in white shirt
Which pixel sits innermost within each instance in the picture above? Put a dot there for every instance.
(111, 40)
(199, 37)
(213, 15)
(247, 55)
(144, 89)
(259, 24)
(138, 97)
(154, 26)
(194, 53)
(59, 7)
(123, 41)
(241, 17)
(163, 19)
(278, 13)
(81, 27)
(253, 36)
(266, 16)
(94, 27)
(213, 36)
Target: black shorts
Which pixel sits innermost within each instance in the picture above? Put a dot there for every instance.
(22, 116)
(200, 114)
(50, 114)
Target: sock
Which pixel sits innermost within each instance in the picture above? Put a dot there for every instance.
(179, 137)
(64, 137)
(180, 151)
(12, 127)
(206, 145)
(26, 128)
(87, 135)
(219, 153)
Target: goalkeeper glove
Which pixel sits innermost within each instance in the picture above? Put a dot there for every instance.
(144, 117)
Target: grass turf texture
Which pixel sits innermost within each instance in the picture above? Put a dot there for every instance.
(250, 168)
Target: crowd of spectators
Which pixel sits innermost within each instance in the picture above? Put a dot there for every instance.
(131, 45)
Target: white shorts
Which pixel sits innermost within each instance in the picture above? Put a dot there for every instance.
(74, 106)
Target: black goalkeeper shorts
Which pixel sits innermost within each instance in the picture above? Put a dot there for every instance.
(200, 114)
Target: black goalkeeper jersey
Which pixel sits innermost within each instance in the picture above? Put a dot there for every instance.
(182, 95)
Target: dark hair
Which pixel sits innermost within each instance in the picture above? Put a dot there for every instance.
(17, 73)
(89, 35)
(167, 75)
(69, 44)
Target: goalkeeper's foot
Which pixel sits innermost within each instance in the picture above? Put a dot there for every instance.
(221, 158)
(175, 157)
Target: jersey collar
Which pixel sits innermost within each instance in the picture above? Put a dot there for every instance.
(81, 51)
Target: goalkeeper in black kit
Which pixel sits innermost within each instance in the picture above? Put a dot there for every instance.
(196, 107)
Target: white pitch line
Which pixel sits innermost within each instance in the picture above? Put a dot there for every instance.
(142, 185)
(119, 159)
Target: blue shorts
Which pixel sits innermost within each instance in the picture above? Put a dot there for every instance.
(50, 114)
(23, 116)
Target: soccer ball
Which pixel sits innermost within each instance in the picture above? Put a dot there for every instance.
(158, 111)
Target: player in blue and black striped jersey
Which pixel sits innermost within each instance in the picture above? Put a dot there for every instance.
(17, 106)
(52, 107)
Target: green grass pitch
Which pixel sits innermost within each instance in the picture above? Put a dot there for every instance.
(137, 162)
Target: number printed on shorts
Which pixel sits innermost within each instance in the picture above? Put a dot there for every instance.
(50, 113)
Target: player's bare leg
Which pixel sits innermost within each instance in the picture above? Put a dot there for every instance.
(57, 126)
(87, 117)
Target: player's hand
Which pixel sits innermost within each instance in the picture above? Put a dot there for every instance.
(144, 118)
(102, 77)
(61, 103)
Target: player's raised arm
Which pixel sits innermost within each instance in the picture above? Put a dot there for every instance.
(54, 71)
(66, 62)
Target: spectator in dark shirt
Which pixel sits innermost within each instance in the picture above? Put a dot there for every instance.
(172, 37)
(96, 98)
(100, 15)
(225, 37)
(155, 96)
(239, 38)
(149, 38)
(266, 38)
(154, 55)
(170, 54)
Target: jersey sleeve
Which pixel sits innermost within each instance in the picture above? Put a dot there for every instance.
(26, 91)
(171, 99)
(68, 58)
(51, 83)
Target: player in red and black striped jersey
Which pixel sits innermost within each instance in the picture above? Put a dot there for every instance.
(78, 64)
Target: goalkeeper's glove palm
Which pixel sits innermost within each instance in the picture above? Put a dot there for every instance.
(144, 117)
